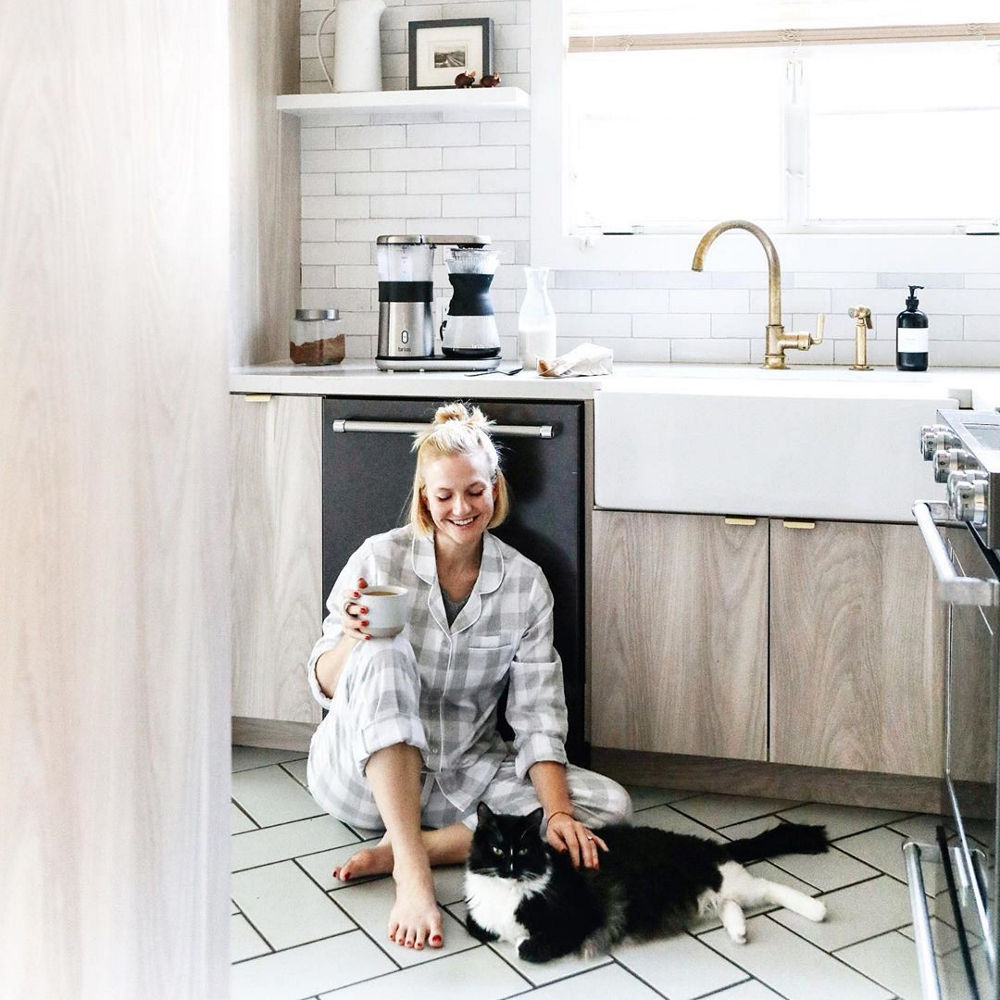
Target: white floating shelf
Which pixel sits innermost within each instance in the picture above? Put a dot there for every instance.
(323, 108)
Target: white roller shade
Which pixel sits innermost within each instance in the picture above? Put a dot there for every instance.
(592, 17)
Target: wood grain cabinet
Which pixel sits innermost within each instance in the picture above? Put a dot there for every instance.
(754, 640)
(855, 679)
(679, 634)
(277, 595)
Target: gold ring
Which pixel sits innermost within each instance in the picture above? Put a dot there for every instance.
(589, 837)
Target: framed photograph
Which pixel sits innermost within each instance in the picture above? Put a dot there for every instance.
(440, 50)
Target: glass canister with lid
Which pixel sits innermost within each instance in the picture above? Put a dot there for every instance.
(313, 337)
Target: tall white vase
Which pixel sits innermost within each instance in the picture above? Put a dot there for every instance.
(357, 50)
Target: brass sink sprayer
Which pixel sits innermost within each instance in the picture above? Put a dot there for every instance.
(776, 341)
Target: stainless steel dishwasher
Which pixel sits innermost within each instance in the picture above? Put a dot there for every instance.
(368, 473)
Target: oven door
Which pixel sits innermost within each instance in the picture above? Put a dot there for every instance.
(965, 901)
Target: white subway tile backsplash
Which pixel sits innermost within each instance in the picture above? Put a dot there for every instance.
(632, 300)
(480, 158)
(319, 184)
(465, 134)
(337, 207)
(491, 181)
(482, 205)
(406, 159)
(900, 281)
(355, 230)
(982, 327)
(965, 301)
(428, 205)
(456, 172)
(442, 181)
(669, 325)
(699, 350)
(371, 183)
(722, 301)
(336, 253)
(370, 136)
(750, 325)
(793, 300)
(335, 161)
(505, 133)
(594, 326)
(982, 280)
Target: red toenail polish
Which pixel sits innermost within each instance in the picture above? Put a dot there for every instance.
(347, 876)
(436, 939)
(364, 611)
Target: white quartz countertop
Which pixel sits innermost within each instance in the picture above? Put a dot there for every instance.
(978, 387)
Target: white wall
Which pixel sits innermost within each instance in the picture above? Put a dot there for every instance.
(114, 621)
(389, 175)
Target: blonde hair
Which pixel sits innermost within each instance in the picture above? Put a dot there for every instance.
(456, 430)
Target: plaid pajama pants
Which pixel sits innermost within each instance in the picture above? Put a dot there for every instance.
(377, 705)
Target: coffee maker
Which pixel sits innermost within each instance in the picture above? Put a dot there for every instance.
(405, 306)
(470, 330)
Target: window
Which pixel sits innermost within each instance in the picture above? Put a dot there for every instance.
(810, 117)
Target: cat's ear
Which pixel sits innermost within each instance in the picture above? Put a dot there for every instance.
(484, 813)
(534, 819)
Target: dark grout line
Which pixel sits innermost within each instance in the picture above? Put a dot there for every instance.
(635, 975)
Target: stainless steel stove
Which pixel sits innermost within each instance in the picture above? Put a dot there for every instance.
(963, 540)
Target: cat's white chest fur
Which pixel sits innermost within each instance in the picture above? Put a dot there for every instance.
(493, 901)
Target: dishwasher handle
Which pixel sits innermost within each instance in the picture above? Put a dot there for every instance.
(952, 587)
(407, 427)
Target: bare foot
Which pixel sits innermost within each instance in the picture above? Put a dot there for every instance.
(377, 860)
(415, 919)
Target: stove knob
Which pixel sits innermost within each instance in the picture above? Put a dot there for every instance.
(949, 460)
(935, 436)
(969, 503)
(970, 476)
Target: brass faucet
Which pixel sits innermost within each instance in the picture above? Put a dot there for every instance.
(776, 341)
(863, 317)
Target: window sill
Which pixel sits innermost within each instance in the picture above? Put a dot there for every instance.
(739, 251)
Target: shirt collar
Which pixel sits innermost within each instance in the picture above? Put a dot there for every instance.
(491, 568)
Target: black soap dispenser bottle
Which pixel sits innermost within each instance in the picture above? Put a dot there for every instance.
(911, 336)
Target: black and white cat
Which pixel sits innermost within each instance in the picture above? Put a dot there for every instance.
(650, 883)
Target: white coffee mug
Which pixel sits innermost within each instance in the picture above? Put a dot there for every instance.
(387, 606)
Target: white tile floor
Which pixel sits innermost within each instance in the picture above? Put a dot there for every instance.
(297, 934)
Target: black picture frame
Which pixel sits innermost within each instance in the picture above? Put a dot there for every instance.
(440, 50)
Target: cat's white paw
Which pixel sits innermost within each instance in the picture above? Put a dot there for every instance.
(814, 909)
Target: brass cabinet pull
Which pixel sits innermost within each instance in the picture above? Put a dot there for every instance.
(800, 525)
(747, 521)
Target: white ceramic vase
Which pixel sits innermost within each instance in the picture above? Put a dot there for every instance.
(357, 50)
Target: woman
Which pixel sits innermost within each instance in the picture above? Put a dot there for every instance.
(411, 737)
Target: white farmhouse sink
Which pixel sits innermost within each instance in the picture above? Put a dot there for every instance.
(809, 446)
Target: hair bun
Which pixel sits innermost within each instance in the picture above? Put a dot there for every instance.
(459, 412)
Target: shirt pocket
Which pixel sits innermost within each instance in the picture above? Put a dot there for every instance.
(487, 663)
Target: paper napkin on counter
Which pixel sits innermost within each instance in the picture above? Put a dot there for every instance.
(587, 359)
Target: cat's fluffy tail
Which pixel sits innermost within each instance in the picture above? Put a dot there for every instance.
(785, 838)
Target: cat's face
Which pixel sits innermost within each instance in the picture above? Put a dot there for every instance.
(508, 846)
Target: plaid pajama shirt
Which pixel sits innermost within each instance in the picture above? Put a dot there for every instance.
(436, 687)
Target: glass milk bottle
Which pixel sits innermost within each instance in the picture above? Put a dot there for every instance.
(536, 322)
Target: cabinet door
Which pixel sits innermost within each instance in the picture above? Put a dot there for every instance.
(856, 679)
(679, 626)
(276, 554)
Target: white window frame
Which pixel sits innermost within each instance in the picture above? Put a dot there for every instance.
(815, 252)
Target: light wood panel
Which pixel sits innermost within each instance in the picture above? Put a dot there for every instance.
(778, 781)
(114, 644)
(265, 185)
(856, 678)
(679, 624)
(277, 558)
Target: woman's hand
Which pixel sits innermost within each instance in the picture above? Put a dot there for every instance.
(352, 617)
(567, 834)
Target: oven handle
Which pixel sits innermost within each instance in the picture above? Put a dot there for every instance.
(403, 427)
(929, 982)
(952, 588)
